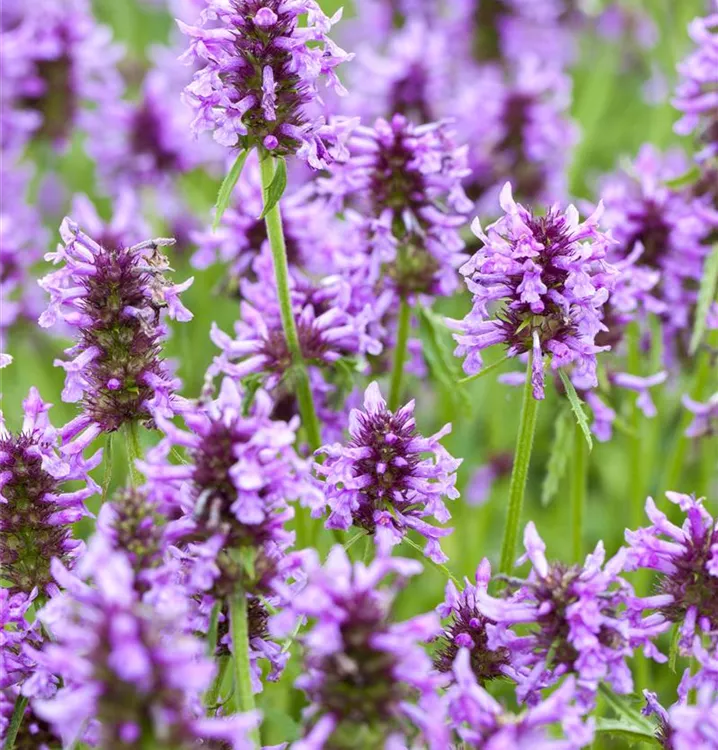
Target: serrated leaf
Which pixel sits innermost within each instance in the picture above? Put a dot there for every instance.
(627, 731)
(626, 713)
(561, 447)
(706, 295)
(685, 179)
(576, 407)
(227, 186)
(277, 186)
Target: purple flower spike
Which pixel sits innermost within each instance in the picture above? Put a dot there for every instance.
(114, 296)
(379, 481)
(686, 561)
(36, 509)
(705, 416)
(697, 94)
(366, 676)
(258, 75)
(481, 722)
(584, 620)
(552, 275)
(467, 630)
(129, 666)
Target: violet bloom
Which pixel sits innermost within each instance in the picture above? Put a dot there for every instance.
(482, 480)
(381, 483)
(697, 94)
(686, 561)
(641, 386)
(686, 725)
(260, 75)
(114, 296)
(481, 722)
(37, 509)
(129, 667)
(368, 679)
(552, 275)
(466, 629)
(409, 177)
(582, 620)
(63, 66)
(705, 416)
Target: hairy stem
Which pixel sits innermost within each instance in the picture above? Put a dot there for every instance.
(579, 477)
(402, 338)
(134, 451)
(240, 650)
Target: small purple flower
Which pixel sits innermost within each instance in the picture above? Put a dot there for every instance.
(409, 178)
(365, 676)
(552, 275)
(114, 296)
(641, 386)
(686, 725)
(481, 722)
(686, 561)
(129, 666)
(380, 482)
(260, 75)
(697, 94)
(482, 480)
(705, 416)
(37, 509)
(584, 620)
(467, 630)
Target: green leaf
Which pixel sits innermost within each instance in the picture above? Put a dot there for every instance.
(626, 731)
(276, 187)
(484, 371)
(706, 295)
(225, 190)
(685, 179)
(673, 653)
(626, 713)
(561, 447)
(577, 407)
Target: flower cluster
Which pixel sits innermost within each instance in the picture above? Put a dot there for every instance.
(551, 272)
(114, 296)
(381, 483)
(368, 679)
(258, 83)
(37, 507)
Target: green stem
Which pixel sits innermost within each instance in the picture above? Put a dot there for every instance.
(212, 696)
(134, 451)
(240, 650)
(213, 630)
(519, 473)
(275, 233)
(15, 722)
(402, 338)
(579, 477)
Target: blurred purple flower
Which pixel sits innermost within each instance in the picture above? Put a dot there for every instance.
(705, 416)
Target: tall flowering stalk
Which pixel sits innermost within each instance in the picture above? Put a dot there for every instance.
(114, 297)
(255, 89)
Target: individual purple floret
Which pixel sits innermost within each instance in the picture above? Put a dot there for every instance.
(686, 562)
(697, 93)
(466, 629)
(669, 230)
(63, 64)
(481, 722)
(409, 178)
(582, 620)
(130, 668)
(259, 82)
(381, 483)
(37, 508)
(114, 297)
(705, 416)
(368, 679)
(551, 273)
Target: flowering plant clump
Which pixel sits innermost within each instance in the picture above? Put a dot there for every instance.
(287, 519)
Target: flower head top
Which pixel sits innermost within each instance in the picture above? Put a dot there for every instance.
(36, 510)
(551, 273)
(381, 480)
(697, 94)
(130, 667)
(481, 722)
(259, 77)
(467, 630)
(584, 620)
(114, 296)
(686, 560)
(365, 675)
(410, 177)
